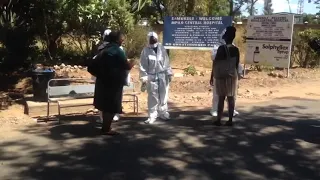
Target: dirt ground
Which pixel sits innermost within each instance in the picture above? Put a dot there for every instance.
(194, 91)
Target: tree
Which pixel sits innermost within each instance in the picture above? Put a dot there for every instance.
(95, 17)
(267, 8)
(217, 7)
(251, 7)
(235, 7)
(310, 18)
(160, 8)
(17, 31)
(50, 23)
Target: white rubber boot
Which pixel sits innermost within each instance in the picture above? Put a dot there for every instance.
(150, 120)
(116, 117)
(165, 116)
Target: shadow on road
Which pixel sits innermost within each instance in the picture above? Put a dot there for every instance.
(268, 142)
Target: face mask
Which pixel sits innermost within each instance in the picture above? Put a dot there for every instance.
(154, 45)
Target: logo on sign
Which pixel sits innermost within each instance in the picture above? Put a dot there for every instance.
(281, 49)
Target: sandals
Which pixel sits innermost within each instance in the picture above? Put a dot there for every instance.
(228, 123)
(217, 123)
(109, 133)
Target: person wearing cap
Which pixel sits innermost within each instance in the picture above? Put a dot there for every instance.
(105, 42)
(156, 73)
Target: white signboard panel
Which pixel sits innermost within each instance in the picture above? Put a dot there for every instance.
(269, 40)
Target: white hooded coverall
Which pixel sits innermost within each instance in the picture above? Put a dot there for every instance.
(155, 70)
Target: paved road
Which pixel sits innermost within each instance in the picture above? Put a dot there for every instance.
(275, 140)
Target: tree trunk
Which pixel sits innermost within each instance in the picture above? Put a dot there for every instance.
(190, 7)
(52, 47)
(252, 9)
(231, 12)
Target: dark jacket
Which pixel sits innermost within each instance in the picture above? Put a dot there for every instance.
(222, 54)
(111, 75)
(102, 46)
(113, 65)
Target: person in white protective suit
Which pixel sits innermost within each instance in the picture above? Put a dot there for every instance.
(215, 97)
(105, 38)
(156, 74)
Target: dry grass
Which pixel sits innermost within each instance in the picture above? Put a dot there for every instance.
(239, 41)
(184, 58)
(24, 85)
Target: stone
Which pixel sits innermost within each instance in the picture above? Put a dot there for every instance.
(178, 75)
(90, 110)
(56, 67)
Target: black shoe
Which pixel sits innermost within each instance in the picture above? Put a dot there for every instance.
(217, 123)
(228, 123)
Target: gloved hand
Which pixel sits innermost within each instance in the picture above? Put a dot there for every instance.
(144, 79)
(240, 71)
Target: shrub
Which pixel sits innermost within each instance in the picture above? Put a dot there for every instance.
(135, 41)
(190, 70)
(302, 54)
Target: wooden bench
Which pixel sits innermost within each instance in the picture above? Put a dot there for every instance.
(67, 89)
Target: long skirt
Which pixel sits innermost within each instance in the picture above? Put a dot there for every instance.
(108, 98)
(227, 86)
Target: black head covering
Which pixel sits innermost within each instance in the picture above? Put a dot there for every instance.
(115, 36)
(230, 34)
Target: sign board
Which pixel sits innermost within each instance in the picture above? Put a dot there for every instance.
(269, 40)
(201, 33)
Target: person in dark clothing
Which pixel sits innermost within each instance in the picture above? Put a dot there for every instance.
(227, 87)
(105, 42)
(111, 77)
